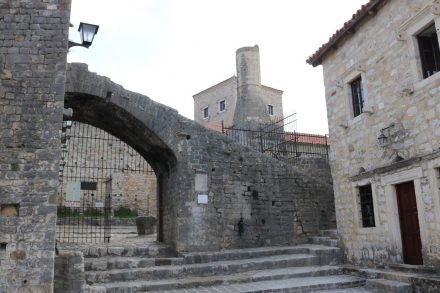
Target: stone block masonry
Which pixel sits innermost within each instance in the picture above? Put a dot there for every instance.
(213, 193)
(33, 47)
(402, 104)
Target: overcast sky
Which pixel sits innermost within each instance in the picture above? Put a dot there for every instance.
(170, 50)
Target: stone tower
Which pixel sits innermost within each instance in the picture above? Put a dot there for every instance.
(250, 109)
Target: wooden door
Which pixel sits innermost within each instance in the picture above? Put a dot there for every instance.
(409, 223)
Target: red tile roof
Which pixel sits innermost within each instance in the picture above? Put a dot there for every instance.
(366, 10)
(307, 138)
(214, 127)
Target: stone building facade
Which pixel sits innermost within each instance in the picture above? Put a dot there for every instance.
(33, 46)
(207, 184)
(218, 104)
(383, 95)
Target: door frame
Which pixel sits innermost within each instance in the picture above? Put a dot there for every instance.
(392, 215)
(402, 189)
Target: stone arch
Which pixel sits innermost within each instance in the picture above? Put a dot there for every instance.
(132, 118)
(252, 198)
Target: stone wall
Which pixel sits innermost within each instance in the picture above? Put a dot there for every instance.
(69, 272)
(33, 46)
(399, 103)
(213, 193)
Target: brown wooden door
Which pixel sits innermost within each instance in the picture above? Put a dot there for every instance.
(409, 223)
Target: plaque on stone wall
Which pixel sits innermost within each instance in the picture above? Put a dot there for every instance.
(202, 199)
(73, 194)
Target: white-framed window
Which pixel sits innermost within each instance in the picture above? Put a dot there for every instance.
(205, 112)
(420, 35)
(429, 50)
(222, 105)
(270, 109)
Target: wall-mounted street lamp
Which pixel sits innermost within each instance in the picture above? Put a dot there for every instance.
(87, 32)
(383, 138)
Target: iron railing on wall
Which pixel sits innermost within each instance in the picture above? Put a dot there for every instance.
(281, 140)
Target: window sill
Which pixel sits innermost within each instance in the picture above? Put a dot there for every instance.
(355, 120)
(368, 230)
(422, 84)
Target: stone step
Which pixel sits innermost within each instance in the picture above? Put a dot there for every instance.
(333, 233)
(346, 290)
(305, 284)
(323, 240)
(235, 254)
(420, 269)
(385, 286)
(111, 262)
(101, 250)
(247, 277)
(202, 270)
(399, 276)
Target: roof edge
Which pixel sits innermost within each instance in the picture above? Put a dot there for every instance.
(348, 28)
(232, 78)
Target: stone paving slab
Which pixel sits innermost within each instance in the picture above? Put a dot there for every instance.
(309, 284)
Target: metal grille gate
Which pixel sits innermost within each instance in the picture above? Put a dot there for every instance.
(90, 156)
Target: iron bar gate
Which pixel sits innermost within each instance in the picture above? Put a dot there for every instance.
(90, 158)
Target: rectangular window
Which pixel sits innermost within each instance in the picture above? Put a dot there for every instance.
(367, 208)
(429, 51)
(357, 95)
(205, 112)
(270, 109)
(222, 106)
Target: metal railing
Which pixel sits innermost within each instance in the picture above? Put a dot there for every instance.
(280, 139)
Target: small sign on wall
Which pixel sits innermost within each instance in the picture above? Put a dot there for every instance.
(202, 199)
(73, 194)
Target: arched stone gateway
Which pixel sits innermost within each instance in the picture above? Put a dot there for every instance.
(213, 193)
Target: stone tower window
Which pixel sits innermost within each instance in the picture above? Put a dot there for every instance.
(205, 112)
(367, 208)
(222, 106)
(270, 109)
(429, 51)
(357, 94)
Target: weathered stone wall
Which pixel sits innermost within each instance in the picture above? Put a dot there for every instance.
(33, 46)
(135, 191)
(252, 199)
(383, 51)
(69, 272)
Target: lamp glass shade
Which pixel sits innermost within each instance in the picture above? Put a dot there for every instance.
(383, 140)
(87, 32)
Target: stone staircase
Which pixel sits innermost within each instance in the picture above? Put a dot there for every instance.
(313, 267)
(301, 268)
(327, 238)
